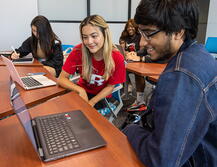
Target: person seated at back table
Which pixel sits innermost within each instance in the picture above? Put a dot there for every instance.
(130, 37)
(99, 63)
(44, 45)
(182, 130)
(130, 42)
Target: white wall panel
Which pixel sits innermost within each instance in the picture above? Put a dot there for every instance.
(110, 10)
(133, 7)
(63, 9)
(212, 20)
(69, 32)
(16, 16)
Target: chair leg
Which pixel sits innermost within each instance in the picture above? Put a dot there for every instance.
(117, 97)
(112, 113)
(115, 112)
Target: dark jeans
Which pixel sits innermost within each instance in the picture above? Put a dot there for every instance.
(101, 104)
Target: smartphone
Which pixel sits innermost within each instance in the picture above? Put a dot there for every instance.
(36, 73)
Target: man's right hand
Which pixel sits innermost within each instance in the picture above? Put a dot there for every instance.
(132, 56)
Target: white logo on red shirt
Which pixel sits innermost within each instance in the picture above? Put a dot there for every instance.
(96, 79)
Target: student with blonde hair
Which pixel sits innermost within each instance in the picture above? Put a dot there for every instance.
(100, 65)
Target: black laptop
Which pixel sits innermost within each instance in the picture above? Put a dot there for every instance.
(58, 135)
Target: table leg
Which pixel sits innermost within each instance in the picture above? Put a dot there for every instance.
(126, 94)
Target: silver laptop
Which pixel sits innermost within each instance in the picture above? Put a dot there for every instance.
(58, 135)
(27, 82)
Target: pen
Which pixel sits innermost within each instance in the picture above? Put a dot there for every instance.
(13, 49)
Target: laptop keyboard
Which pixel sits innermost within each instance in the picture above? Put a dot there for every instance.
(30, 82)
(58, 134)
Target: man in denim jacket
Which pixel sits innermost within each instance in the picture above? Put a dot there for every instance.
(185, 99)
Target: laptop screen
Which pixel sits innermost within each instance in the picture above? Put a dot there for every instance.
(12, 70)
(21, 112)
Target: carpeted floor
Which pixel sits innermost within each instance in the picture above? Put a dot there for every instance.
(122, 115)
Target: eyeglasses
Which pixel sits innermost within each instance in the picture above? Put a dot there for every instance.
(147, 35)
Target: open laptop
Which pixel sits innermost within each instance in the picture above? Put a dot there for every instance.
(58, 135)
(27, 82)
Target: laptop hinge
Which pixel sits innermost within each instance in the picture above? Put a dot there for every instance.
(40, 151)
(33, 123)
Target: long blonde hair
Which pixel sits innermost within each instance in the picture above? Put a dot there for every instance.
(87, 69)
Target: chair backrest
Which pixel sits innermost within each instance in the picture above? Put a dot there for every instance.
(67, 49)
(211, 44)
(117, 95)
(116, 90)
(121, 50)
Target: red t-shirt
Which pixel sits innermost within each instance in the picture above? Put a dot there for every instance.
(97, 83)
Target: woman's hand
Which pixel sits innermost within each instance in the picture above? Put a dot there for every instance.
(132, 56)
(15, 55)
(92, 103)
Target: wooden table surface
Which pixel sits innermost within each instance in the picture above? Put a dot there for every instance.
(31, 97)
(142, 69)
(153, 78)
(145, 69)
(16, 149)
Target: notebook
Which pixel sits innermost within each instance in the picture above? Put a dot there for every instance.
(28, 59)
(24, 60)
(58, 135)
(27, 82)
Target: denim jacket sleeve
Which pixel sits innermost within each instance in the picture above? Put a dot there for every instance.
(180, 122)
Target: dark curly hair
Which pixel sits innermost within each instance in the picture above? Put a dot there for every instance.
(125, 33)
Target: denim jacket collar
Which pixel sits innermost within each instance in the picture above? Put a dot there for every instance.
(186, 44)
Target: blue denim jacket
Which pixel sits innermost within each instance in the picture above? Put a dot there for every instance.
(185, 113)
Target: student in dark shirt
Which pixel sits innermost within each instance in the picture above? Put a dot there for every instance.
(130, 37)
(44, 45)
(130, 41)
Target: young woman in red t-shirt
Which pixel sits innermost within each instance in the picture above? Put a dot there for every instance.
(99, 63)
